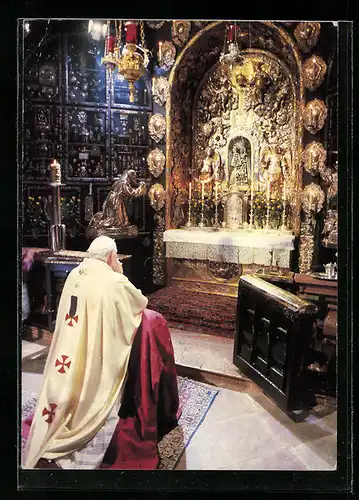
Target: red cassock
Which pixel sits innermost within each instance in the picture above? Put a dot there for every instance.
(150, 406)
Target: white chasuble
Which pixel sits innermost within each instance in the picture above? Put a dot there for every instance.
(98, 315)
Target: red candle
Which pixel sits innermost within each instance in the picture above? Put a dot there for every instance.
(111, 40)
(231, 32)
(131, 32)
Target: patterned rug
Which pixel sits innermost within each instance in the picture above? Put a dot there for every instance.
(205, 313)
(195, 400)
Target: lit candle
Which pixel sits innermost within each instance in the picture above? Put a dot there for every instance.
(55, 172)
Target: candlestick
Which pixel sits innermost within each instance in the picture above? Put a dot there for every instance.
(252, 196)
(283, 228)
(189, 224)
(216, 223)
(268, 202)
(201, 224)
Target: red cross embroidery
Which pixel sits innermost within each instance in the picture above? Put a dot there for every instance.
(75, 318)
(50, 413)
(62, 364)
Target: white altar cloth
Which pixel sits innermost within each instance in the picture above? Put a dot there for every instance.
(254, 239)
(240, 247)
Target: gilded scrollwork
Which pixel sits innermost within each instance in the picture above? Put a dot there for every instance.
(156, 161)
(167, 55)
(157, 196)
(155, 25)
(159, 250)
(330, 230)
(312, 198)
(314, 70)
(180, 32)
(212, 110)
(160, 89)
(307, 34)
(157, 127)
(314, 116)
(314, 157)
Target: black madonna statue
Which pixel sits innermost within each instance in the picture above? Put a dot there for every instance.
(113, 220)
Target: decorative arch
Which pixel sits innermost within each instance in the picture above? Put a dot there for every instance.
(198, 57)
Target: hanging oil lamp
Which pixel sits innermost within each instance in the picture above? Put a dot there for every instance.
(109, 60)
(133, 59)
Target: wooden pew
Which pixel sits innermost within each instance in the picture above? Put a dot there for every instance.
(273, 336)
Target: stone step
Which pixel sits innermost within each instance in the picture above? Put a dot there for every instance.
(208, 358)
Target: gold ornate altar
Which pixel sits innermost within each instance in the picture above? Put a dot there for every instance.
(238, 135)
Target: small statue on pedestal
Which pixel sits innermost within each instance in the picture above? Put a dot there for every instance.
(113, 220)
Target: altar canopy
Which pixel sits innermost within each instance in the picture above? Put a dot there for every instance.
(237, 247)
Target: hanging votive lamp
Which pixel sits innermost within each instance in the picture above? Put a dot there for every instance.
(133, 60)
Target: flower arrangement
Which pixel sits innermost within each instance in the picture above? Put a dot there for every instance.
(260, 206)
(208, 207)
(70, 211)
(36, 220)
(37, 214)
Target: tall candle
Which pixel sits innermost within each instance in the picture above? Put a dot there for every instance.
(190, 191)
(202, 191)
(55, 170)
(216, 191)
(284, 191)
(160, 52)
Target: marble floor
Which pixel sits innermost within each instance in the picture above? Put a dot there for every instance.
(251, 432)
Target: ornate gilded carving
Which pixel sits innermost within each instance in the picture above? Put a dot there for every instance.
(307, 34)
(157, 127)
(157, 196)
(314, 157)
(224, 271)
(330, 177)
(156, 161)
(330, 230)
(312, 198)
(155, 25)
(217, 107)
(314, 116)
(159, 258)
(160, 89)
(180, 32)
(314, 70)
(306, 253)
(167, 54)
